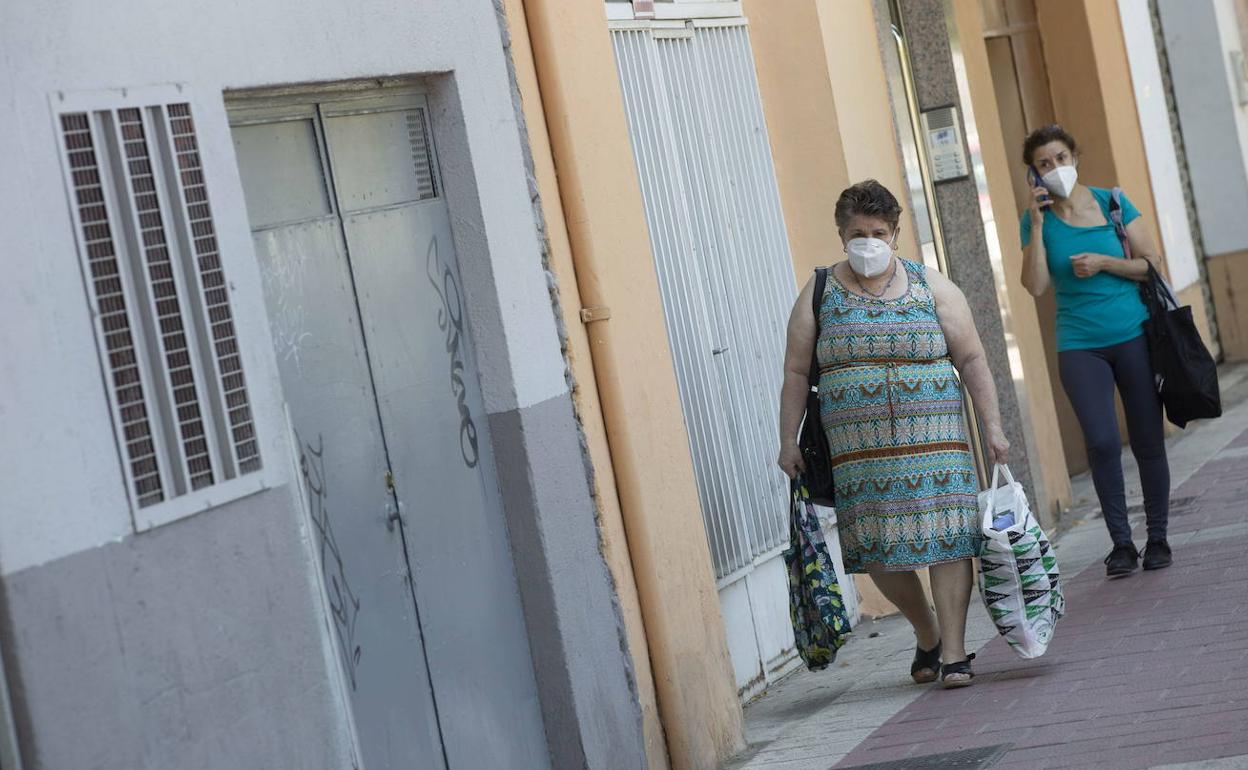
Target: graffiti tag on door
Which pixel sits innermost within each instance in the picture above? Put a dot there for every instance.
(451, 321)
(344, 605)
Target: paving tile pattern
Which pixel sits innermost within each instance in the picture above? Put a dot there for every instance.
(1143, 671)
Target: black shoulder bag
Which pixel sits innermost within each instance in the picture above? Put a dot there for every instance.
(1185, 373)
(813, 442)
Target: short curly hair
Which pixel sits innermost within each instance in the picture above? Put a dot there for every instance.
(868, 198)
(1044, 135)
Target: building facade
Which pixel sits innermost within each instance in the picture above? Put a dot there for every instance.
(654, 118)
(418, 365)
(292, 476)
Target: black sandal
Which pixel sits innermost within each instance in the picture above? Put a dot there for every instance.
(960, 667)
(928, 660)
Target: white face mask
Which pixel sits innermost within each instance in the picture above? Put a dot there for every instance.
(869, 257)
(1061, 180)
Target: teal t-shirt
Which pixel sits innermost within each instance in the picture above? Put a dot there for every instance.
(1096, 312)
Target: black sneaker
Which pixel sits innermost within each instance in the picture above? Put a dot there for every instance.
(1157, 554)
(1121, 561)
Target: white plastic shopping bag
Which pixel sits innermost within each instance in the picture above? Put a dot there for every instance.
(1018, 576)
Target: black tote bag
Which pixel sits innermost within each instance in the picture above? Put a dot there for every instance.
(1186, 375)
(816, 455)
(1184, 371)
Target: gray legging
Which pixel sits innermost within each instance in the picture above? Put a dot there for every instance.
(1088, 377)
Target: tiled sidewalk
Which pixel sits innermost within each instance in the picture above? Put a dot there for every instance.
(1144, 671)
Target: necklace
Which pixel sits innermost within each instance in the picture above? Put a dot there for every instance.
(887, 285)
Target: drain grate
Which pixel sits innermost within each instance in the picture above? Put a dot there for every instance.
(1178, 505)
(964, 759)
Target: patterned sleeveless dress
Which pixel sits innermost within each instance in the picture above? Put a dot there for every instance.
(891, 405)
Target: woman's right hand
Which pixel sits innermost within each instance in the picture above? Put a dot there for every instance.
(1040, 200)
(790, 460)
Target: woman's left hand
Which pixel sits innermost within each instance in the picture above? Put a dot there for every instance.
(1087, 265)
(998, 445)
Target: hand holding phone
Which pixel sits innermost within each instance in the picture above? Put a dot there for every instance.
(1040, 193)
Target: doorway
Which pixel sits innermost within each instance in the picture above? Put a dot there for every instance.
(352, 234)
(1021, 84)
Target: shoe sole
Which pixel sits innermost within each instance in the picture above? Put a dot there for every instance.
(1112, 575)
(953, 684)
(1157, 566)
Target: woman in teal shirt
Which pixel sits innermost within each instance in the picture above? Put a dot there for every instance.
(1100, 334)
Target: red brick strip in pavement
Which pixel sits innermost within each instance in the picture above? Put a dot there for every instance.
(1146, 670)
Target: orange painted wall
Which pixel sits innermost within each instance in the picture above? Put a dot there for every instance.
(611, 266)
(585, 391)
(1090, 80)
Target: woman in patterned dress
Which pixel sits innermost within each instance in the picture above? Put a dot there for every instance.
(890, 335)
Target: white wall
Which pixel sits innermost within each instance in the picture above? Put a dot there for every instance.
(1229, 38)
(1198, 39)
(62, 488)
(1163, 168)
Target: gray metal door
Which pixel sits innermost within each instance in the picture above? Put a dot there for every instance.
(377, 368)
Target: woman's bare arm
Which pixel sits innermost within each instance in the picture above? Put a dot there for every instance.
(967, 352)
(1035, 258)
(1035, 267)
(799, 347)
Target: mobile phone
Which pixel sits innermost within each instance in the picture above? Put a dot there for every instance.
(1034, 177)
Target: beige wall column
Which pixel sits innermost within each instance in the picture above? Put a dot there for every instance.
(1090, 80)
(802, 125)
(855, 69)
(585, 390)
(632, 364)
(826, 102)
(1035, 391)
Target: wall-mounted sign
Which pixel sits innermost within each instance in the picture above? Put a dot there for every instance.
(942, 132)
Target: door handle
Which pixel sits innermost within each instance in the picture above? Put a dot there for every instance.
(393, 513)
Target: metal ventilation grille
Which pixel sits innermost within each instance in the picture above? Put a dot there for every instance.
(105, 284)
(422, 158)
(190, 180)
(162, 304)
(164, 296)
